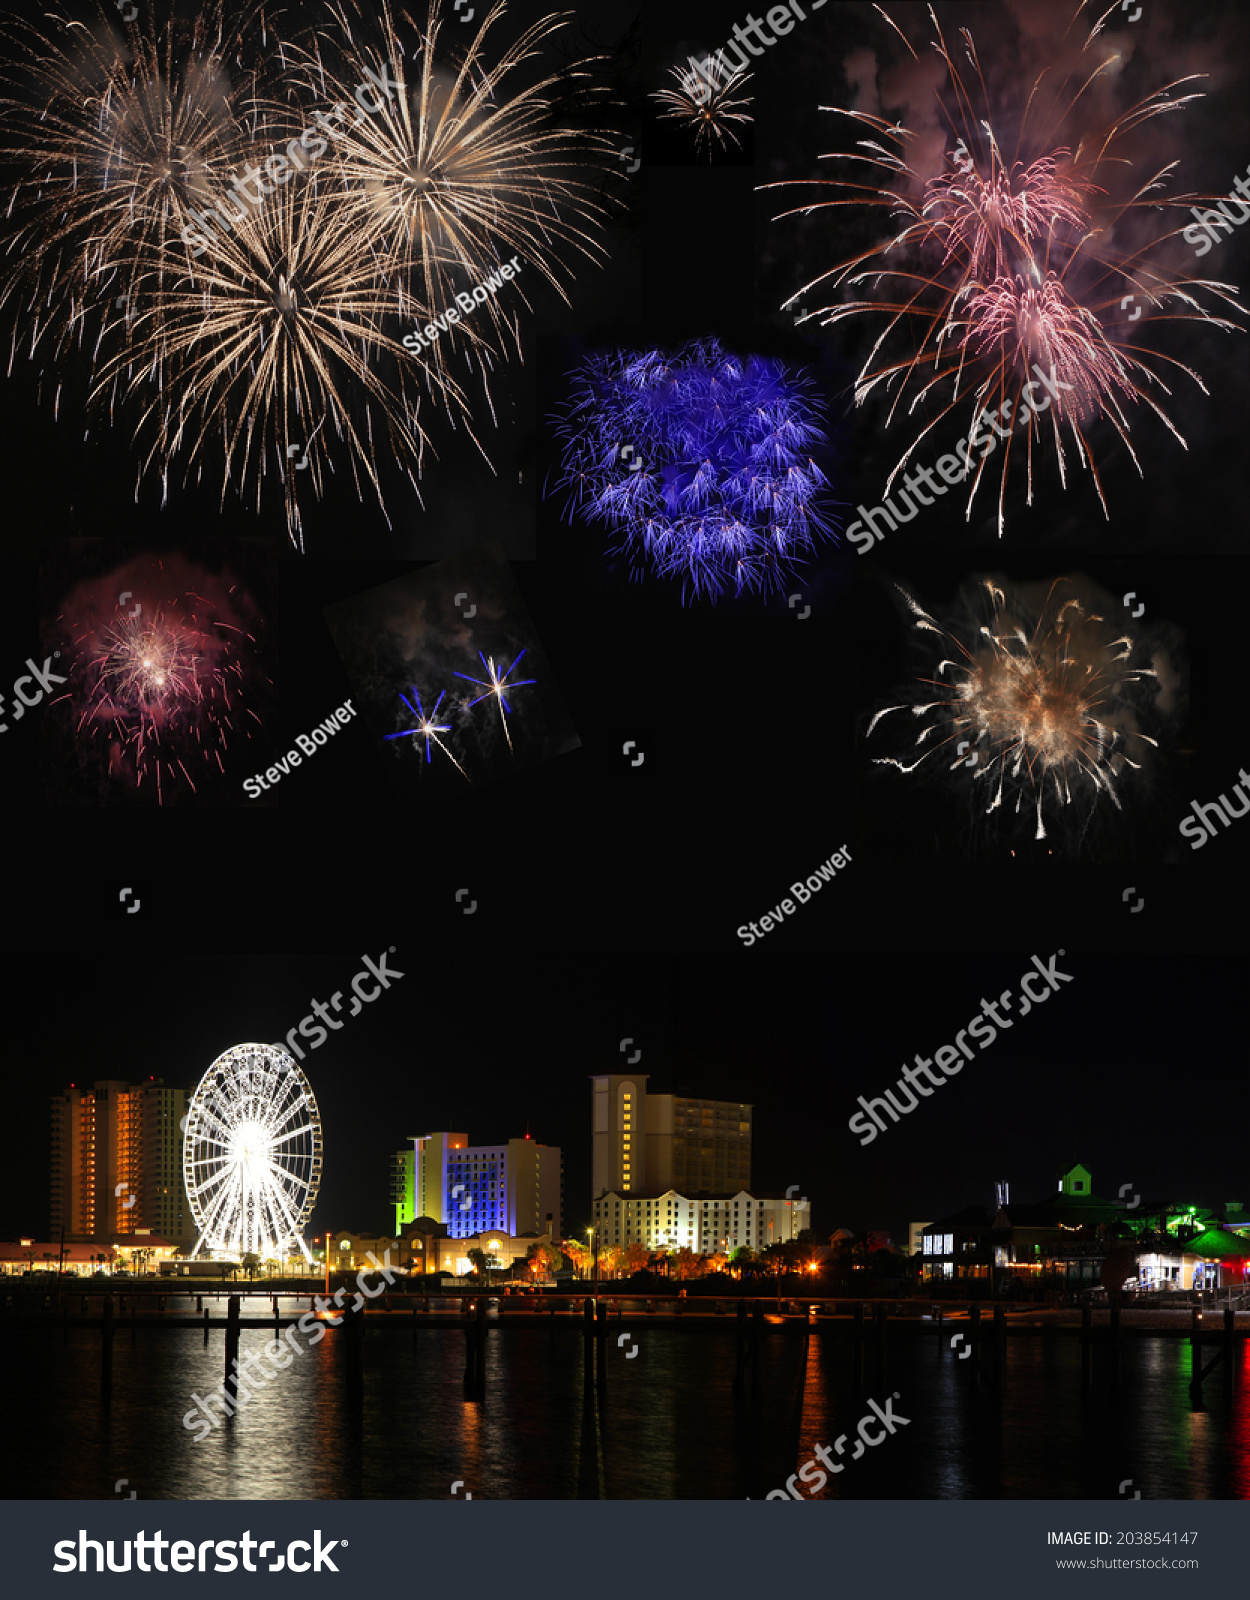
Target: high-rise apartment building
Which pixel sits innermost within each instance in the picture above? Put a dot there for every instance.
(655, 1142)
(516, 1187)
(117, 1161)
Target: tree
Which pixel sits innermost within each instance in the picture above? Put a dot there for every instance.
(579, 1254)
(543, 1259)
(250, 1263)
(636, 1257)
(611, 1260)
(685, 1264)
(717, 1261)
(478, 1260)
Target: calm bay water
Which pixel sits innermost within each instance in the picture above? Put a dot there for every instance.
(668, 1427)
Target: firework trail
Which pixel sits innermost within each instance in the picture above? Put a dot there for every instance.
(430, 728)
(495, 682)
(1001, 273)
(722, 489)
(708, 102)
(1043, 697)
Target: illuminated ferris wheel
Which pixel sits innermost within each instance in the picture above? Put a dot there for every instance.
(251, 1154)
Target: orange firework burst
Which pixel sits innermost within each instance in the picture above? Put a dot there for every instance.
(1044, 698)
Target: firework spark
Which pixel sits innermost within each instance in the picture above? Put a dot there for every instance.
(112, 141)
(451, 178)
(273, 339)
(1043, 697)
(1001, 269)
(270, 347)
(709, 102)
(430, 729)
(723, 489)
(495, 682)
(162, 696)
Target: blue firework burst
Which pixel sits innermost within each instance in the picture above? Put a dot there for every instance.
(700, 462)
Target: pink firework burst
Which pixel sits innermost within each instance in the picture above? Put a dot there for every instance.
(1001, 275)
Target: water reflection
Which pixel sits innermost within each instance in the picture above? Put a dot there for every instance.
(669, 1425)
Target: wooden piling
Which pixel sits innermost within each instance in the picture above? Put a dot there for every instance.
(232, 1341)
(1087, 1344)
(740, 1346)
(1230, 1321)
(354, 1350)
(601, 1336)
(588, 1345)
(106, 1347)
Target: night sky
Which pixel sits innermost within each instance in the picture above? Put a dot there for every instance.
(1135, 1067)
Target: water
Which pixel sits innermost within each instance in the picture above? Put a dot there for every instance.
(669, 1426)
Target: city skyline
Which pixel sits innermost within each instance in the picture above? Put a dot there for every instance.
(1022, 1111)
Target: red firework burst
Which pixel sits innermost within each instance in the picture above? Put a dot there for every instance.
(1001, 270)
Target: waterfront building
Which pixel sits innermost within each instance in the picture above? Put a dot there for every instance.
(117, 1162)
(647, 1144)
(702, 1222)
(515, 1187)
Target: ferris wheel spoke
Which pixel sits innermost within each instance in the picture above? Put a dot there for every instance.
(252, 1157)
(295, 1133)
(218, 1205)
(279, 1209)
(296, 1106)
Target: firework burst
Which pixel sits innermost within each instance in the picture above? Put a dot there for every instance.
(723, 489)
(271, 348)
(466, 167)
(113, 140)
(271, 331)
(1045, 697)
(427, 727)
(709, 102)
(162, 692)
(1001, 273)
(495, 683)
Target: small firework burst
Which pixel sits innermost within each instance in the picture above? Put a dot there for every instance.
(155, 701)
(710, 102)
(495, 683)
(149, 664)
(1002, 272)
(702, 462)
(1037, 705)
(428, 728)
